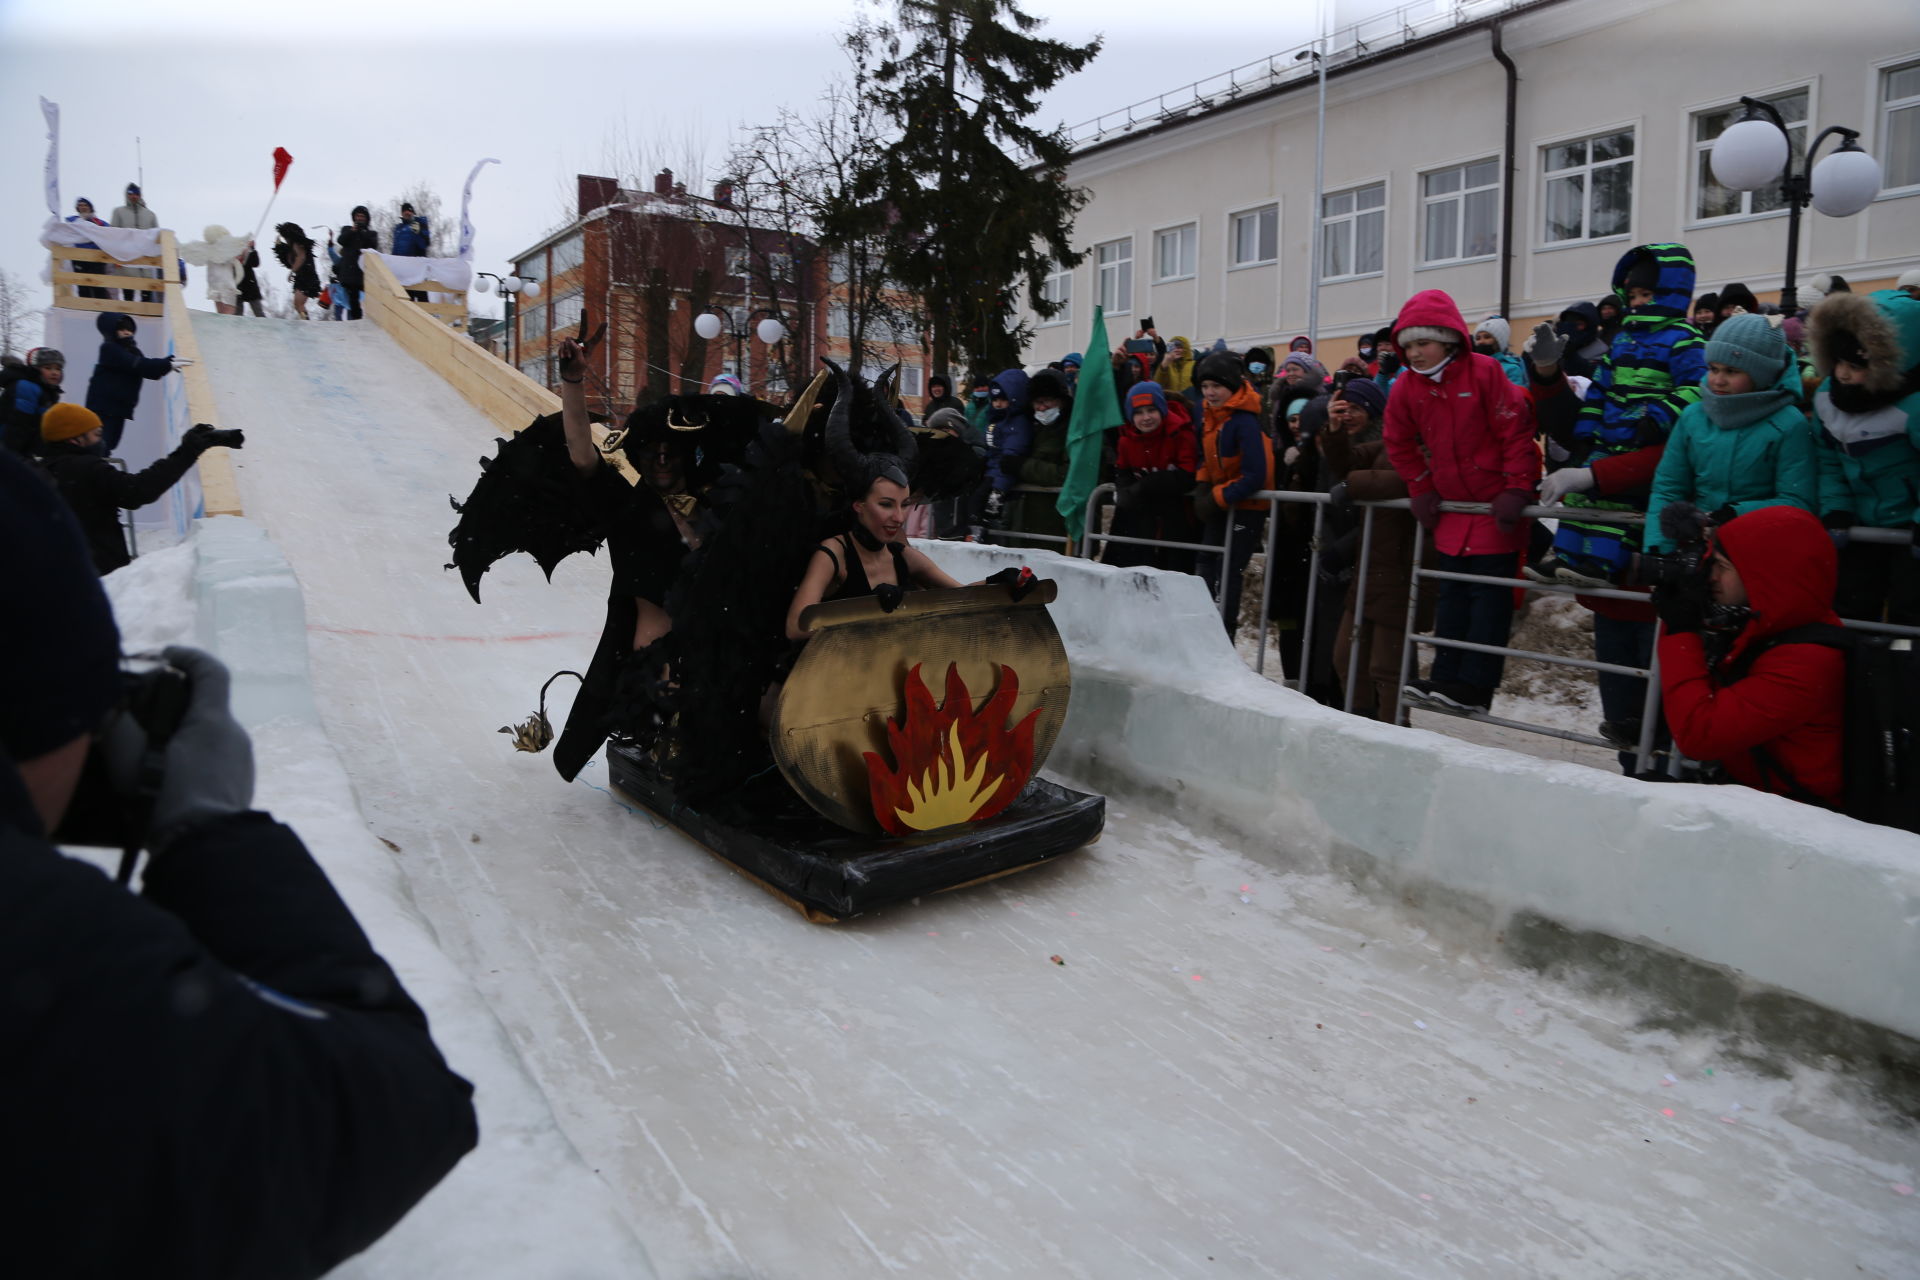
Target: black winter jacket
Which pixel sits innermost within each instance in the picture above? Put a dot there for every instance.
(98, 491)
(217, 1078)
(114, 389)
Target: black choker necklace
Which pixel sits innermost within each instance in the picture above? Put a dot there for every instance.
(865, 539)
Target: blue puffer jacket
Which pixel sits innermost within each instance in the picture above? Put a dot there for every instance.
(114, 389)
(1868, 444)
(1656, 364)
(1009, 430)
(411, 241)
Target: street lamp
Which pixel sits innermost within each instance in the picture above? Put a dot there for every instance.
(1755, 151)
(711, 325)
(510, 288)
(1319, 180)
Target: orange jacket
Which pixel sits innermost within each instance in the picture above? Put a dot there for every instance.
(1236, 455)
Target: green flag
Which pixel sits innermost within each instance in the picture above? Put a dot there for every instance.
(1096, 407)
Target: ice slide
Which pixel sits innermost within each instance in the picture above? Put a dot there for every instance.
(1241, 1069)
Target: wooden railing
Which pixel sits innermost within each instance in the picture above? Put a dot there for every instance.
(68, 282)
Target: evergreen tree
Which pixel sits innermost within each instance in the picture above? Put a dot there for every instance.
(978, 196)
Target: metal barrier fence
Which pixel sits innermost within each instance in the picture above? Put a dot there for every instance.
(1646, 750)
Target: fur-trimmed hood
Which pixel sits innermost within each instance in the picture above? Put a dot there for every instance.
(1885, 325)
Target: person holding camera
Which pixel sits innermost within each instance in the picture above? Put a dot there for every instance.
(216, 1077)
(97, 491)
(1770, 714)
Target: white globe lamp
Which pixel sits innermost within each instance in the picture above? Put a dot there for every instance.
(1749, 154)
(482, 284)
(530, 289)
(770, 331)
(1845, 182)
(707, 325)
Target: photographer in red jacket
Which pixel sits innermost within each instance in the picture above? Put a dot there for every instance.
(1771, 715)
(216, 1077)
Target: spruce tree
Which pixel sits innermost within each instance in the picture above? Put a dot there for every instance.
(978, 195)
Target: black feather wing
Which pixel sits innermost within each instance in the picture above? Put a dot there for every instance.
(529, 498)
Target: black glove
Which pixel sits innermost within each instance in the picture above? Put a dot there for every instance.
(1018, 582)
(1840, 529)
(202, 436)
(1682, 610)
(207, 767)
(1205, 507)
(1722, 514)
(1337, 497)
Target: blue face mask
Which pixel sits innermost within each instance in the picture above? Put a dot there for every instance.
(1256, 367)
(979, 395)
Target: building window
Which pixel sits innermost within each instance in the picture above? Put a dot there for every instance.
(536, 369)
(566, 313)
(569, 253)
(533, 322)
(780, 266)
(1058, 288)
(1900, 126)
(1589, 187)
(1256, 236)
(1113, 275)
(776, 383)
(1710, 199)
(910, 384)
(1175, 252)
(1460, 212)
(736, 262)
(837, 325)
(1353, 233)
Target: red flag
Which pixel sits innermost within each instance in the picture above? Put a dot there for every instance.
(281, 163)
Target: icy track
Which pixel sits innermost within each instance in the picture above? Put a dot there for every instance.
(1237, 1071)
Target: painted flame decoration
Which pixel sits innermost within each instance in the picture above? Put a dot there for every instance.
(951, 763)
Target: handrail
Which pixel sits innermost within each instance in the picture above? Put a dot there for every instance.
(219, 488)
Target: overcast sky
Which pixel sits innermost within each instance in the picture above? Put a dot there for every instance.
(370, 98)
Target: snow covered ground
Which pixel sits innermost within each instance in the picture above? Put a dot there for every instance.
(1238, 1070)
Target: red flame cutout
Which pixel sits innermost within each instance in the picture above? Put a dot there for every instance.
(951, 764)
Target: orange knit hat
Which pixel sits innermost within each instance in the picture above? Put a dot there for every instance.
(65, 421)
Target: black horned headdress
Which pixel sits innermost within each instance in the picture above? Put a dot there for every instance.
(865, 415)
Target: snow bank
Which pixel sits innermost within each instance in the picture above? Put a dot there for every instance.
(1785, 895)
(523, 1203)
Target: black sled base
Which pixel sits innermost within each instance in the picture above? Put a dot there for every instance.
(829, 873)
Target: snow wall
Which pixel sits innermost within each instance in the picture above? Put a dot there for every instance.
(1781, 894)
(523, 1203)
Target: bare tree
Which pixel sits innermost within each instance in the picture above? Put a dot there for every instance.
(16, 312)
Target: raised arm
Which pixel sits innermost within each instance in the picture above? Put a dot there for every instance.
(573, 408)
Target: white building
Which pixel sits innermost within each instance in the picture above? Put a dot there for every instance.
(1202, 209)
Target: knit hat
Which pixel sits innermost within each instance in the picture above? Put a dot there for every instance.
(1144, 395)
(1048, 384)
(1825, 283)
(1366, 393)
(1222, 367)
(1795, 330)
(947, 419)
(1753, 344)
(1498, 327)
(1644, 273)
(1425, 333)
(1707, 302)
(1738, 295)
(1910, 280)
(60, 651)
(1316, 372)
(46, 357)
(66, 420)
(133, 188)
(1073, 358)
(726, 385)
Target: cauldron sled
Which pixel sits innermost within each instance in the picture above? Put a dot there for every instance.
(909, 745)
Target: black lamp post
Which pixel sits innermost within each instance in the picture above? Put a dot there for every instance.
(1756, 151)
(511, 287)
(770, 330)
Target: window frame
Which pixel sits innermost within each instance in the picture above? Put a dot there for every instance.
(1547, 176)
(1694, 150)
(1064, 277)
(1233, 217)
(560, 255)
(1421, 261)
(1882, 110)
(1193, 270)
(1352, 218)
(1122, 268)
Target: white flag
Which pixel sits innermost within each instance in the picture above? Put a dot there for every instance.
(51, 110)
(466, 201)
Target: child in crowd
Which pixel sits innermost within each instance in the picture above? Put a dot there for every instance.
(1236, 459)
(1491, 339)
(114, 390)
(1746, 443)
(1153, 470)
(1458, 431)
(1868, 444)
(1648, 378)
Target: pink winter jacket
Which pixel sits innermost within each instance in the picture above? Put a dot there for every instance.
(1469, 435)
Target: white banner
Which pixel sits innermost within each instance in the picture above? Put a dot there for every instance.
(453, 274)
(51, 110)
(466, 201)
(124, 243)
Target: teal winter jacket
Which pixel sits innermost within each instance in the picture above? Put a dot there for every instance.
(1868, 441)
(1745, 452)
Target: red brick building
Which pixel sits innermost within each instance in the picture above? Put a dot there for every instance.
(649, 262)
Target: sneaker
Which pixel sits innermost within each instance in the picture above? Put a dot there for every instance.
(1462, 697)
(1418, 690)
(1561, 571)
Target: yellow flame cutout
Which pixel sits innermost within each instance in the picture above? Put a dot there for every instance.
(953, 793)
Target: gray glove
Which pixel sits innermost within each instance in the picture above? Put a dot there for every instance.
(209, 769)
(1563, 482)
(1545, 347)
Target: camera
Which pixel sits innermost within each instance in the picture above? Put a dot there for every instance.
(227, 438)
(1684, 568)
(1341, 378)
(113, 803)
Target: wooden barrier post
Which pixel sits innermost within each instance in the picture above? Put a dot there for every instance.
(219, 489)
